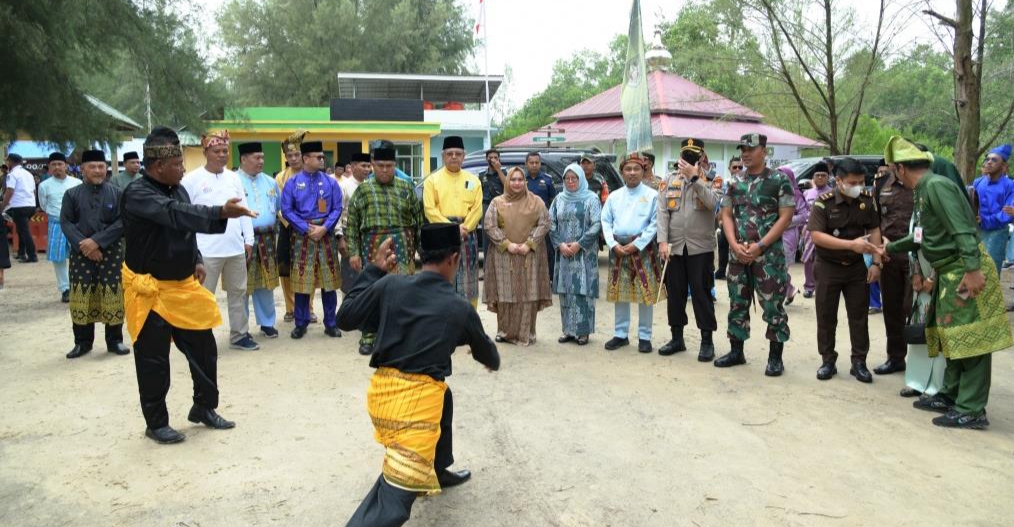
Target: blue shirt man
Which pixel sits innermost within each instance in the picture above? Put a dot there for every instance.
(995, 193)
(264, 198)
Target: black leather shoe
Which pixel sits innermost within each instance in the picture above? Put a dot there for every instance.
(78, 351)
(333, 332)
(165, 435)
(298, 332)
(775, 366)
(826, 371)
(953, 419)
(566, 338)
(675, 345)
(65, 297)
(706, 353)
(644, 346)
(209, 417)
(366, 349)
(449, 478)
(860, 372)
(617, 342)
(735, 357)
(891, 366)
(119, 348)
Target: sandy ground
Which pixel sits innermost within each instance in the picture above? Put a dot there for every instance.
(561, 436)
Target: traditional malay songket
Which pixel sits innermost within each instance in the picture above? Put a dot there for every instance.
(264, 198)
(575, 218)
(165, 303)
(453, 195)
(313, 199)
(384, 207)
(964, 325)
(51, 192)
(409, 401)
(629, 223)
(517, 274)
(294, 163)
(91, 214)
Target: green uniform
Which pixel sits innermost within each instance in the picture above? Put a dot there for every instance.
(755, 201)
(966, 331)
(123, 179)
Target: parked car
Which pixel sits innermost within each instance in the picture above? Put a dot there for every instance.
(803, 168)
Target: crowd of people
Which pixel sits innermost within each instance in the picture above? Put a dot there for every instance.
(148, 248)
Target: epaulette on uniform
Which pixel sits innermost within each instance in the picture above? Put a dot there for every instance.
(866, 193)
(826, 195)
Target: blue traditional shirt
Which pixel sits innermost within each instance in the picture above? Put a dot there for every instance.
(51, 193)
(301, 196)
(631, 212)
(542, 186)
(993, 196)
(262, 196)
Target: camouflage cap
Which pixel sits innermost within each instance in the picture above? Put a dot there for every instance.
(752, 140)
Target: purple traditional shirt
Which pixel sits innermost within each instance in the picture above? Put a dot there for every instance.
(301, 196)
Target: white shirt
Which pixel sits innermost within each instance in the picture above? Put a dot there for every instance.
(214, 190)
(23, 183)
(348, 186)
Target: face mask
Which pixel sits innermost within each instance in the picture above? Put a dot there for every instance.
(852, 192)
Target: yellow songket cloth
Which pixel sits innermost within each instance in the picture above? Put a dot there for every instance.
(184, 304)
(406, 410)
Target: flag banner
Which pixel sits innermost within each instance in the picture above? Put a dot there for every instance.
(636, 105)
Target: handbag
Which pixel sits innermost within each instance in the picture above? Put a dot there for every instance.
(914, 333)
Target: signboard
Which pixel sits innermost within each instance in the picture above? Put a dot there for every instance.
(548, 139)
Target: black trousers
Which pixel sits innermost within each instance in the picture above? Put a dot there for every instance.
(388, 506)
(84, 335)
(723, 254)
(896, 292)
(696, 273)
(5, 254)
(833, 282)
(551, 254)
(26, 245)
(151, 359)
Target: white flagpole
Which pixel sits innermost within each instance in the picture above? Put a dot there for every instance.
(485, 52)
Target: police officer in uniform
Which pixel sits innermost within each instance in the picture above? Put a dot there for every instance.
(845, 224)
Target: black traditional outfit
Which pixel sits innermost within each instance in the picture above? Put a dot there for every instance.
(164, 301)
(419, 320)
(96, 295)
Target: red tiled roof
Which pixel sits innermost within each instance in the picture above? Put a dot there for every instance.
(669, 94)
(583, 131)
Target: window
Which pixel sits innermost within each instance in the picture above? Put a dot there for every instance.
(410, 159)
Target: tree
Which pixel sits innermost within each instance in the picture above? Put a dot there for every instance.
(968, 54)
(826, 62)
(56, 48)
(586, 74)
(294, 59)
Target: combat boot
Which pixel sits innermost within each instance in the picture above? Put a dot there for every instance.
(735, 356)
(707, 352)
(675, 345)
(775, 366)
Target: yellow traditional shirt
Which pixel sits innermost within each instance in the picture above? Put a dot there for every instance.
(447, 194)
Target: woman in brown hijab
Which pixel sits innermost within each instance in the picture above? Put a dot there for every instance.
(517, 269)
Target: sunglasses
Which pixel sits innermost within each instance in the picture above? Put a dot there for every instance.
(736, 167)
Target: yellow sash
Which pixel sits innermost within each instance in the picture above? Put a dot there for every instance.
(184, 304)
(406, 410)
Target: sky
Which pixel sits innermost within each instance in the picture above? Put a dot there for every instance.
(531, 35)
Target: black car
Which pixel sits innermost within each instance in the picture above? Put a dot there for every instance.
(804, 168)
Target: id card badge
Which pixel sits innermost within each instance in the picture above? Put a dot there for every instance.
(917, 235)
(321, 205)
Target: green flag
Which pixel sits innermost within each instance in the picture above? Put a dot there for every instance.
(636, 106)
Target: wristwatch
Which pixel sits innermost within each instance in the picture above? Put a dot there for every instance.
(762, 245)
(879, 264)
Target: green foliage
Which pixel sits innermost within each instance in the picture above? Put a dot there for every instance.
(57, 49)
(586, 74)
(287, 52)
(916, 92)
(872, 136)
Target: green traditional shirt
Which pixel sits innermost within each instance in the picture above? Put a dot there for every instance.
(123, 179)
(949, 230)
(376, 207)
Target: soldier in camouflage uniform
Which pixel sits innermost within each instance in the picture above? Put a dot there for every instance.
(757, 208)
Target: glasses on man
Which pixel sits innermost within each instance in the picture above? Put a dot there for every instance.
(736, 167)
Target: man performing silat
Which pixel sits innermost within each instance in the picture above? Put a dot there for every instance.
(90, 218)
(421, 322)
(162, 291)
